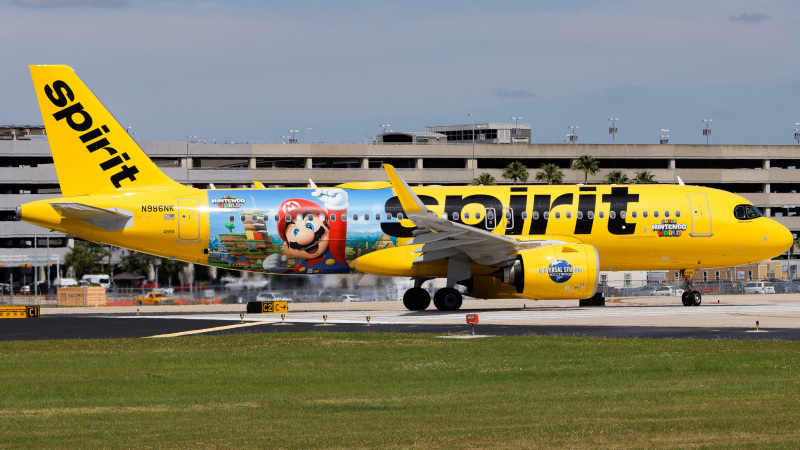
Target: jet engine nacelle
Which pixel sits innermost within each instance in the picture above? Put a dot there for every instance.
(562, 271)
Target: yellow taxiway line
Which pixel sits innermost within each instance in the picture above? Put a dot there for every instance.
(207, 330)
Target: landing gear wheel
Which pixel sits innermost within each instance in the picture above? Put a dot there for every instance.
(447, 299)
(685, 299)
(416, 299)
(696, 298)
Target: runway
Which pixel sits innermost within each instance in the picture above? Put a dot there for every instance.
(722, 317)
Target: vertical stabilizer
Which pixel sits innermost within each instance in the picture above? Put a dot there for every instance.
(91, 150)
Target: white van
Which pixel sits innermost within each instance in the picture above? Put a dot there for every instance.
(65, 282)
(759, 287)
(102, 279)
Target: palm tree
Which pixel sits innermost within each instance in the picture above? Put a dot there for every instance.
(644, 177)
(550, 174)
(86, 258)
(588, 164)
(483, 179)
(516, 171)
(616, 177)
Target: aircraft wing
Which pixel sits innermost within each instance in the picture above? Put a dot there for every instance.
(111, 219)
(442, 238)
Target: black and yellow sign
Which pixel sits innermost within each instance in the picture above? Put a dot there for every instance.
(267, 307)
(18, 312)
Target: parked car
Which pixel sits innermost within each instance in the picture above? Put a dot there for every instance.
(154, 298)
(759, 287)
(272, 297)
(668, 291)
(347, 298)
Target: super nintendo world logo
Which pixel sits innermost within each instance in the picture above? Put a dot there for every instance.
(228, 201)
(669, 228)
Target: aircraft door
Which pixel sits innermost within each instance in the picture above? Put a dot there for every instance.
(491, 219)
(701, 215)
(188, 219)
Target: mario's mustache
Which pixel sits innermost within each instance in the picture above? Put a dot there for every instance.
(317, 236)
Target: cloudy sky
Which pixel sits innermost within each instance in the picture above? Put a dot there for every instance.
(251, 70)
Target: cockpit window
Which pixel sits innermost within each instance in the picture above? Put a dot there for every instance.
(747, 212)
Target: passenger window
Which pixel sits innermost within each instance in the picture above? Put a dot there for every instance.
(569, 215)
(666, 213)
(466, 216)
(579, 215)
(655, 214)
(678, 214)
(490, 215)
(322, 217)
(601, 214)
(558, 215)
(633, 214)
(524, 215)
(355, 216)
(455, 216)
(366, 216)
(288, 218)
(546, 215)
(344, 217)
(333, 217)
(536, 215)
(377, 216)
(478, 215)
(612, 215)
(277, 218)
(399, 216)
(590, 215)
(644, 214)
(444, 215)
(623, 215)
(388, 216)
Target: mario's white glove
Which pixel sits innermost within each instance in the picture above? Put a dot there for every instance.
(333, 199)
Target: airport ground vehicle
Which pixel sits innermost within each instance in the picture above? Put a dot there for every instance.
(759, 287)
(347, 298)
(153, 298)
(101, 279)
(530, 242)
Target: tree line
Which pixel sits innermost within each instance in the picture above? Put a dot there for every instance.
(552, 173)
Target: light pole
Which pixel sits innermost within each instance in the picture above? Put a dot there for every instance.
(572, 137)
(707, 130)
(612, 130)
(664, 136)
(308, 130)
(293, 141)
(516, 121)
(481, 128)
(286, 138)
(473, 128)
(797, 132)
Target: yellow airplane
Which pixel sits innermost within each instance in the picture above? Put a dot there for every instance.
(533, 242)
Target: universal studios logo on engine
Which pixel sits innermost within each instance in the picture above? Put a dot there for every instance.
(560, 271)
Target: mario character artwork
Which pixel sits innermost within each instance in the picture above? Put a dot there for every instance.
(315, 236)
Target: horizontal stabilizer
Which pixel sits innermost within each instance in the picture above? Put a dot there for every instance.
(111, 219)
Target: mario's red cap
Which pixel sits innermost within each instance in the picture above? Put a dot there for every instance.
(293, 207)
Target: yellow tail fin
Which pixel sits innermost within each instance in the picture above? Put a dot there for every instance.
(91, 150)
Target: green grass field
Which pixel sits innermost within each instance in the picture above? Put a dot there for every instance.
(388, 390)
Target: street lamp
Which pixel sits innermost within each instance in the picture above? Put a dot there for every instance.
(797, 132)
(707, 130)
(516, 121)
(384, 126)
(294, 141)
(665, 136)
(285, 137)
(612, 130)
(572, 137)
(473, 127)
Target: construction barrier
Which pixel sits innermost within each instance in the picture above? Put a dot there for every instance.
(19, 312)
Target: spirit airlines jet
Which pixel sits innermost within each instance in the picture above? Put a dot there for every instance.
(533, 242)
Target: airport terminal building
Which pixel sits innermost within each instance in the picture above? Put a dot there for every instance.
(769, 176)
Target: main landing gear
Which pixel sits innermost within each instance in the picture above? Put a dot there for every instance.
(418, 299)
(691, 297)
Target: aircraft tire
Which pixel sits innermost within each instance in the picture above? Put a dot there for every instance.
(685, 299)
(696, 298)
(447, 299)
(416, 299)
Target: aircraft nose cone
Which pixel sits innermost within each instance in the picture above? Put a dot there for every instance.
(783, 238)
